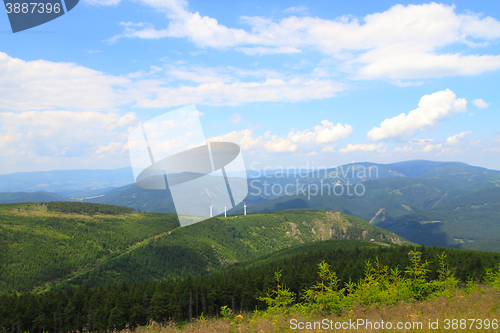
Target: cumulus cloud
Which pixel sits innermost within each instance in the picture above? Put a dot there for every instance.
(403, 42)
(61, 133)
(327, 132)
(321, 135)
(431, 109)
(278, 144)
(479, 103)
(404, 149)
(45, 85)
(453, 140)
(399, 62)
(421, 141)
(429, 148)
(363, 147)
(112, 148)
(245, 138)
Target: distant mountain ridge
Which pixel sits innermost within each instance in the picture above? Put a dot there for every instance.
(40, 196)
(260, 188)
(83, 182)
(460, 222)
(391, 191)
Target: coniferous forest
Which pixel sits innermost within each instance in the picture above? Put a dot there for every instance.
(132, 304)
(87, 267)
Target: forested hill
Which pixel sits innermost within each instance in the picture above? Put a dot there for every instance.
(43, 249)
(471, 221)
(132, 304)
(87, 208)
(211, 245)
(40, 247)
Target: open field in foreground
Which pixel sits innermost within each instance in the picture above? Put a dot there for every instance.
(473, 311)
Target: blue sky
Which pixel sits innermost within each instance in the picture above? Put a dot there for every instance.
(293, 83)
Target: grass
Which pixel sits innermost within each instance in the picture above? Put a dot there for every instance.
(481, 303)
(383, 302)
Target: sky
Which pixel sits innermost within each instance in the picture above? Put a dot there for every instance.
(316, 83)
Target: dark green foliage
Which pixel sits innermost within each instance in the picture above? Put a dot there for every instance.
(101, 244)
(213, 244)
(134, 304)
(40, 248)
(86, 208)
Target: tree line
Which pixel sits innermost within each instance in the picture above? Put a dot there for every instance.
(86, 208)
(241, 289)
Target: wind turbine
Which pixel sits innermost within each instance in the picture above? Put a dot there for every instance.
(211, 210)
(225, 212)
(245, 209)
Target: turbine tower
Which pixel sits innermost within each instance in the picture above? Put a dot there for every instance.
(211, 210)
(244, 209)
(225, 212)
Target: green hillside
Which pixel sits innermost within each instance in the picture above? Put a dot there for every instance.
(490, 244)
(471, 221)
(213, 244)
(43, 249)
(238, 287)
(40, 247)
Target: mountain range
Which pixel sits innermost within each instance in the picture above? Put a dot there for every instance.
(397, 196)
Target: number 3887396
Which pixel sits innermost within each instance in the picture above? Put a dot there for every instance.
(32, 7)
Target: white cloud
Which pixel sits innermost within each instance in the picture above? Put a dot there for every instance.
(128, 119)
(235, 118)
(363, 147)
(296, 9)
(261, 50)
(479, 103)
(328, 149)
(278, 144)
(421, 141)
(112, 148)
(403, 42)
(430, 148)
(431, 109)
(44, 85)
(61, 133)
(321, 135)
(405, 84)
(453, 140)
(327, 132)
(245, 138)
(150, 93)
(404, 150)
(399, 62)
